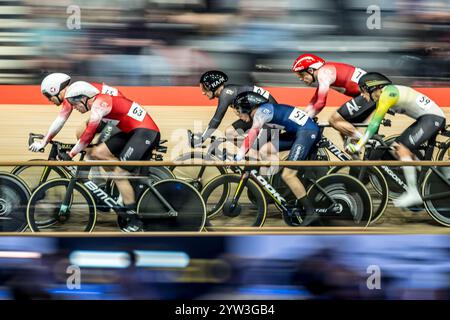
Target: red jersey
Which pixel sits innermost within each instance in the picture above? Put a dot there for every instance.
(126, 114)
(335, 74)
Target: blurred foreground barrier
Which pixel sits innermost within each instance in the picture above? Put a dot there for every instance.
(356, 163)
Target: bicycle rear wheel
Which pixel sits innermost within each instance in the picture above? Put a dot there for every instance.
(438, 209)
(183, 197)
(351, 196)
(375, 183)
(46, 202)
(14, 196)
(250, 211)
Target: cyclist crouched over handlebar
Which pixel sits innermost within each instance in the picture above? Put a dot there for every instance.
(139, 135)
(429, 121)
(301, 135)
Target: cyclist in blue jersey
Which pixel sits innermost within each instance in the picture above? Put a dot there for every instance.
(300, 136)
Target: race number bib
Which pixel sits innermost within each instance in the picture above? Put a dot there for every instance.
(298, 116)
(261, 91)
(357, 74)
(110, 90)
(424, 102)
(136, 112)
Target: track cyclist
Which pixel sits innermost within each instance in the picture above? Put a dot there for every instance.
(54, 87)
(300, 135)
(139, 135)
(212, 84)
(344, 77)
(429, 121)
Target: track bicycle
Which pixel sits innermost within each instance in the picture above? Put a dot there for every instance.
(338, 199)
(70, 204)
(433, 181)
(35, 176)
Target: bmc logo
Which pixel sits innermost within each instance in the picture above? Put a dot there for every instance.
(100, 193)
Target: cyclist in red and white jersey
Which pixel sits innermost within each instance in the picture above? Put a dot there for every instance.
(343, 77)
(54, 87)
(138, 137)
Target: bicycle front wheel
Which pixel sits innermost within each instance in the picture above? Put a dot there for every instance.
(44, 211)
(197, 176)
(37, 175)
(184, 198)
(348, 194)
(250, 210)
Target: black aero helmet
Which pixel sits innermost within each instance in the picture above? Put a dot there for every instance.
(246, 101)
(213, 79)
(372, 81)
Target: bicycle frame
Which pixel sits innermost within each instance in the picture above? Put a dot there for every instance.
(106, 199)
(248, 173)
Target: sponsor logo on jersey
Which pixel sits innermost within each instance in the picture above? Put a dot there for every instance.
(229, 91)
(352, 107)
(414, 138)
(128, 154)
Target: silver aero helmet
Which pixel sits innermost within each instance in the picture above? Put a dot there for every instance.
(80, 89)
(53, 83)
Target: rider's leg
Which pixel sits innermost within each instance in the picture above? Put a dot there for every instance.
(345, 128)
(354, 111)
(425, 128)
(411, 196)
(304, 142)
(102, 152)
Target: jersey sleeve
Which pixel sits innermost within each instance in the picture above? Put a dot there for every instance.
(59, 122)
(100, 108)
(388, 99)
(225, 100)
(263, 115)
(325, 77)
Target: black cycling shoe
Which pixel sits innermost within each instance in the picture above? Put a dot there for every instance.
(310, 219)
(292, 217)
(132, 222)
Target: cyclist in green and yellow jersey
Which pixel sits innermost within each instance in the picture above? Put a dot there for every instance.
(430, 120)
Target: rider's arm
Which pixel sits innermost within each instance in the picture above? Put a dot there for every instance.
(388, 99)
(225, 100)
(100, 108)
(59, 122)
(325, 77)
(259, 119)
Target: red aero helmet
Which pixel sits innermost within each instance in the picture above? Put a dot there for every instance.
(306, 61)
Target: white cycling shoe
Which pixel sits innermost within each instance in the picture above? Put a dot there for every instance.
(408, 199)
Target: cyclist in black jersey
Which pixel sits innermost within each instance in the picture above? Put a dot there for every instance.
(212, 84)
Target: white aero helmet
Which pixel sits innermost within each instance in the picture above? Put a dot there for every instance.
(80, 89)
(53, 84)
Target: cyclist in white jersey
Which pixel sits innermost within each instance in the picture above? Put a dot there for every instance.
(430, 120)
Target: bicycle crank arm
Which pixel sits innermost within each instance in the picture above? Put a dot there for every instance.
(334, 208)
(165, 215)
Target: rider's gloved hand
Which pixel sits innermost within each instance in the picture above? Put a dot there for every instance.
(352, 148)
(37, 146)
(196, 140)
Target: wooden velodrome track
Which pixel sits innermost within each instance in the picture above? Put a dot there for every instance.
(19, 119)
